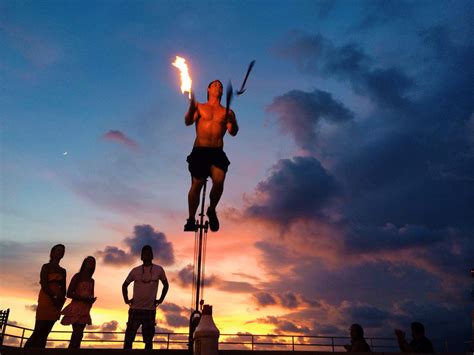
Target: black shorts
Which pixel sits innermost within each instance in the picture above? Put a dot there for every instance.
(202, 158)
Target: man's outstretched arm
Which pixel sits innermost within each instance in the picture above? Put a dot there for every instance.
(192, 113)
(232, 126)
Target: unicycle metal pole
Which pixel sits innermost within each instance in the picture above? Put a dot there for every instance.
(196, 314)
(202, 227)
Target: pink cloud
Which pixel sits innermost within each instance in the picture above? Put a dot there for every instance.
(120, 137)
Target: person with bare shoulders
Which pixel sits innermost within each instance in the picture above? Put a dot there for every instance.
(207, 157)
(50, 299)
(81, 293)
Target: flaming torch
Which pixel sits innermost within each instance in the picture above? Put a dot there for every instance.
(186, 81)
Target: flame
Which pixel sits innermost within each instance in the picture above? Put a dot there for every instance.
(186, 81)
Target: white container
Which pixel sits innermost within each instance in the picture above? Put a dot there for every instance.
(206, 335)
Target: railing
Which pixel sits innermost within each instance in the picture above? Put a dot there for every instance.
(16, 336)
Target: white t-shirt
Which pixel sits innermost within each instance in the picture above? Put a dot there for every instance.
(145, 285)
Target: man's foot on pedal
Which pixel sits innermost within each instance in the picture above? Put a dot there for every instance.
(213, 221)
(190, 225)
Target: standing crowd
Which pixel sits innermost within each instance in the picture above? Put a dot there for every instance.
(52, 296)
(142, 311)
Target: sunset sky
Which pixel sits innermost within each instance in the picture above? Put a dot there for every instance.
(349, 197)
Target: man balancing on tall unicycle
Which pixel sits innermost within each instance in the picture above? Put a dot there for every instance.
(207, 157)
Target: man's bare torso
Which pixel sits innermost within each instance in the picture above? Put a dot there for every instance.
(211, 125)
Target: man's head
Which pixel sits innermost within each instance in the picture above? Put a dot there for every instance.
(147, 253)
(417, 330)
(215, 88)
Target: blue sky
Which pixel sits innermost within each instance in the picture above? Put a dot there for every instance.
(353, 165)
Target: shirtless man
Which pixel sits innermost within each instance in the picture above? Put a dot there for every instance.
(208, 157)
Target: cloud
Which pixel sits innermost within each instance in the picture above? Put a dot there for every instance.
(283, 325)
(285, 299)
(297, 188)
(264, 299)
(389, 237)
(176, 320)
(114, 256)
(298, 113)
(185, 279)
(106, 327)
(121, 138)
(316, 55)
(288, 300)
(175, 315)
(146, 235)
(143, 234)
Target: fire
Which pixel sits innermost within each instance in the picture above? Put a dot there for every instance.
(186, 81)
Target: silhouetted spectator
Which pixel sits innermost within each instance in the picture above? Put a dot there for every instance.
(358, 343)
(419, 343)
(81, 291)
(143, 305)
(50, 299)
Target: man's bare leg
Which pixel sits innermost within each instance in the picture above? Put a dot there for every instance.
(193, 201)
(218, 177)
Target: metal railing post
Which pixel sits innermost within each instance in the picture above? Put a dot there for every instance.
(332, 343)
(293, 343)
(252, 342)
(22, 337)
(168, 342)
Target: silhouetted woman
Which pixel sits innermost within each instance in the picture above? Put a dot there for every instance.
(358, 343)
(50, 299)
(81, 291)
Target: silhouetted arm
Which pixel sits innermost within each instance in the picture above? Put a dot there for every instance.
(71, 290)
(125, 293)
(164, 291)
(44, 281)
(232, 126)
(402, 343)
(63, 285)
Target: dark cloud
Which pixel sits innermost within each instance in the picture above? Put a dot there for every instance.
(176, 320)
(115, 256)
(264, 299)
(106, 327)
(369, 316)
(326, 329)
(389, 237)
(316, 55)
(298, 188)
(378, 13)
(171, 307)
(290, 327)
(175, 315)
(283, 325)
(298, 113)
(185, 279)
(185, 276)
(145, 234)
(288, 300)
(121, 138)
(235, 286)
